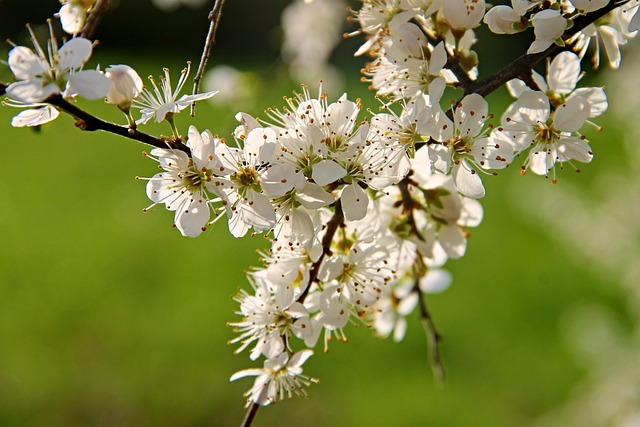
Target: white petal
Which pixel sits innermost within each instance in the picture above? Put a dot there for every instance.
(259, 146)
(564, 72)
(327, 171)
(471, 213)
(35, 116)
(500, 19)
(471, 114)
(438, 59)
(186, 100)
(467, 181)
(572, 115)
(354, 202)
(435, 281)
(634, 24)
(25, 64)
(74, 53)
(453, 241)
(89, 84)
(595, 96)
(258, 211)
(312, 196)
(573, 148)
(31, 91)
(516, 87)
(72, 18)
(279, 179)
(541, 161)
(192, 218)
(202, 148)
(534, 106)
(611, 43)
(300, 357)
(246, 373)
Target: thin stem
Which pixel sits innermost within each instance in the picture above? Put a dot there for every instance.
(332, 226)
(433, 336)
(251, 413)
(522, 66)
(214, 22)
(98, 9)
(86, 121)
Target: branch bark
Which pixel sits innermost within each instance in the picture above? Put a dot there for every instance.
(214, 18)
(88, 122)
(99, 8)
(522, 66)
(433, 336)
(251, 413)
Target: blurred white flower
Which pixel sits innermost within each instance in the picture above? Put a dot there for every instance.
(311, 31)
(171, 5)
(234, 87)
(73, 14)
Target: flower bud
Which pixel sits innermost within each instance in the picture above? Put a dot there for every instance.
(126, 85)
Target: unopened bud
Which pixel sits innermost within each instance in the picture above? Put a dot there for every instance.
(126, 85)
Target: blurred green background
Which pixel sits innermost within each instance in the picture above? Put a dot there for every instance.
(108, 317)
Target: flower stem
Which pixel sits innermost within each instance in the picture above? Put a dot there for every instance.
(251, 413)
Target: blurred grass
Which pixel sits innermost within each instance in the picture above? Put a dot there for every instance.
(110, 318)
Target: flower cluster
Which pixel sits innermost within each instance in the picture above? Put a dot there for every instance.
(361, 214)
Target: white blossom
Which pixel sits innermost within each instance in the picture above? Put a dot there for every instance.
(126, 85)
(186, 182)
(280, 377)
(59, 71)
(163, 102)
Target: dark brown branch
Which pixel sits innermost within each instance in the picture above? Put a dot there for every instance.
(251, 413)
(334, 223)
(522, 66)
(99, 8)
(214, 22)
(88, 122)
(453, 64)
(432, 334)
(332, 226)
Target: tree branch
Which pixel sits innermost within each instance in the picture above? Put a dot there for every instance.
(98, 9)
(214, 18)
(251, 413)
(332, 226)
(523, 65)
(86, 121)
(433, 335)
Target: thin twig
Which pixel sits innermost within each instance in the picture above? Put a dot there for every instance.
(214, 22)
(334, 223)
(523, 65)
(100, 8)
(251, 413)
(88, 122)
(432, 334)
(332, 226)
